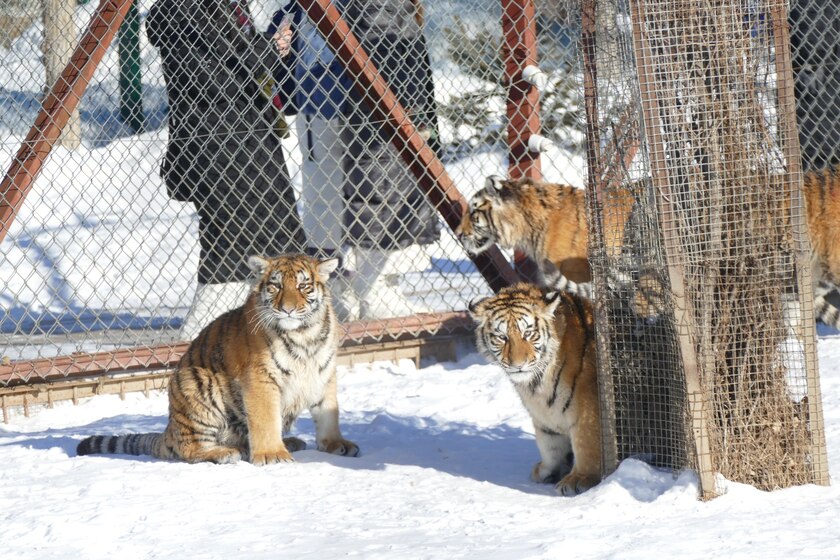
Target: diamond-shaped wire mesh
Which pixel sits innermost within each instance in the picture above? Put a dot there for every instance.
(198, 142)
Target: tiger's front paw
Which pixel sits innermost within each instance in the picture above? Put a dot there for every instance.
(270, 457)
(575, 483)
(540, 473)
(339, 447)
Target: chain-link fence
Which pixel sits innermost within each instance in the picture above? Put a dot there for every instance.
(706, 330)
(209, 130)
(196, 132)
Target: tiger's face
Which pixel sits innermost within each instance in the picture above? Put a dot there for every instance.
(477, 231)
(291, 289)
(516, 329)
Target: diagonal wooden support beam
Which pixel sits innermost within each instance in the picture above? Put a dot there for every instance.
(62, 100)
(385, 107)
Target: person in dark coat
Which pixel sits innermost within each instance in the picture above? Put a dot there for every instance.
(815, 49)
(224, 153)
(386, 216)
(387, 208)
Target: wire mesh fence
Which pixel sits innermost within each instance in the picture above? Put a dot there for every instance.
(706, 331)
(210, 130)
(202, 131)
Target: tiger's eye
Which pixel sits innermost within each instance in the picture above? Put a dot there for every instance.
(271, 289)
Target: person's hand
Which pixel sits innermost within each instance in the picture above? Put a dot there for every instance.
(283, 39)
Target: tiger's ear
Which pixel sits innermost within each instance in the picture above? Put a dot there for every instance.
(257, 264)
(474, 307)
(327, 267)
(494, 183)
(552, 301)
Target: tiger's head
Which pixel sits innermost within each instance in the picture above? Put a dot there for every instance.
(517, 329)
(483, 223)
(291, 290)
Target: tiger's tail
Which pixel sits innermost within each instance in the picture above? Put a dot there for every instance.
(131, 444)
(555, 280)
(648, 296)
(827, 304)
(563, 284)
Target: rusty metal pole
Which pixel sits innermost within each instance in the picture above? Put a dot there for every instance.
(385, 107)
(59, 104)
(519, 49)
(519, 27)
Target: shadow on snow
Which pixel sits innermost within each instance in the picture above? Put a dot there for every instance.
(500, 455)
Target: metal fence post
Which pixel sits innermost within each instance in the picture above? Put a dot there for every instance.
(131, 83)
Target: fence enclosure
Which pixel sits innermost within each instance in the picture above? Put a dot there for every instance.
(706, 318)
(688, 105)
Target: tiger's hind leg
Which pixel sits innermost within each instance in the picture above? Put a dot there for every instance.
(585, 435)
(220, 455)
(198, 447)
(199, 427)
(294, 444)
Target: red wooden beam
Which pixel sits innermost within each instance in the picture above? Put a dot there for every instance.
(57, 107)
(146, 358)
(420, 158)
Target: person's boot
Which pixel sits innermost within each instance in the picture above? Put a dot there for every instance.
(377, 286)
(211, 301)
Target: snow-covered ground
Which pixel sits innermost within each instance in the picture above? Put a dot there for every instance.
(444, 473)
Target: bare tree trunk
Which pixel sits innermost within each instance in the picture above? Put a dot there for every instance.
(60, 39)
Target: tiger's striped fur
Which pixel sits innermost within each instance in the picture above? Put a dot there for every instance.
(545, 342)
(548, 222)
(822, 209)
(247, 376)
(545, 220)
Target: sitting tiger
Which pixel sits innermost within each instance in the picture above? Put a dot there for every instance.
(245, 378)
(545, 342)
(548, 222)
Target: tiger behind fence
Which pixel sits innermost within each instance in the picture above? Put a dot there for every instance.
(548, 222)
(822, 210)
(545, 342)
(245, 378)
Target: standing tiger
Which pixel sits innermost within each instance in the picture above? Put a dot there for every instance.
(548, 222)
(545, 220)
(243, 381)
(545, 342)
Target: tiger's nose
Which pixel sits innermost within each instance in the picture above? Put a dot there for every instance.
(287, 309)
